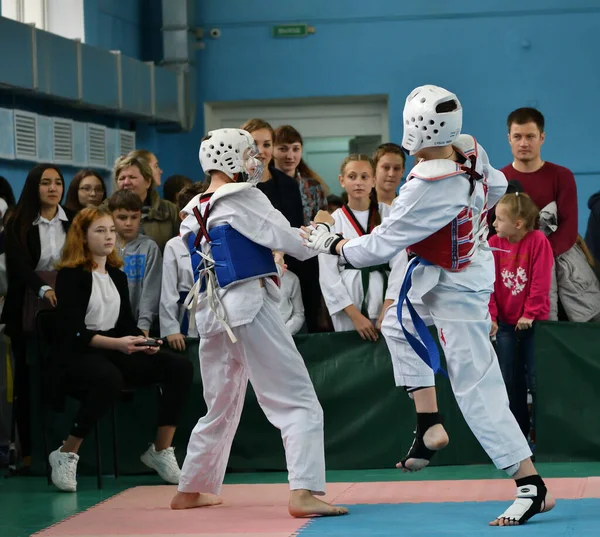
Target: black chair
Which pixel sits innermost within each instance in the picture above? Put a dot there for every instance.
(45, 323)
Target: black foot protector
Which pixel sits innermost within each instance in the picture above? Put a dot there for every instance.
(531, 500)
(419, 450)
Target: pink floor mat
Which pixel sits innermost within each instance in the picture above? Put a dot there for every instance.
(261, 510)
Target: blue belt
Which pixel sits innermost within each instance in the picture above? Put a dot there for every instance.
(185, 322)
(426, 349)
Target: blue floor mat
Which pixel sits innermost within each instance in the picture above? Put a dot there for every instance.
(568, 518)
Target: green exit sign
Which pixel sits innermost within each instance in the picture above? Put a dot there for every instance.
(292, 30)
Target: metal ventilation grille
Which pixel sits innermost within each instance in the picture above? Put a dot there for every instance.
(126, 142)
(96, 146)
(25, 136)
(62, 141)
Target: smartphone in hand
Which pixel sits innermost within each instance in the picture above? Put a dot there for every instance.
(150, 342)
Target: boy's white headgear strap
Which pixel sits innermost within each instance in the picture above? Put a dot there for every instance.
(424, 126)
(231, 151)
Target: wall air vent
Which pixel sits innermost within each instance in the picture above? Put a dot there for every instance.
(126, 142)
(96, 138)
(62, 141)
(25, 125)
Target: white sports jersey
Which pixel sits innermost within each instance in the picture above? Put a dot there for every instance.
(177, 279)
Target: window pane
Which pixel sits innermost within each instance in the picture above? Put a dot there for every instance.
(34, 13)
(9, 9)
(65, 18)
(61, 17)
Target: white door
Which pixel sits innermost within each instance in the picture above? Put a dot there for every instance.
(331, 128)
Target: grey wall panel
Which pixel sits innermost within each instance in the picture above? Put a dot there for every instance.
(7, 128)
(56, 65)
(44, 139)
(79, 144)
(111, 147)
(166, 94)
(16, 59)
(99, 77)
(137, 86)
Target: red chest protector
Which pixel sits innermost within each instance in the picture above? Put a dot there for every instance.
(453, 246)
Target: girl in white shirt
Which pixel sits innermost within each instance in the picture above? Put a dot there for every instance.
(389, 162)
(177, 280)
(355, 297)
(290, 305)
(100, 349)
(34, 237)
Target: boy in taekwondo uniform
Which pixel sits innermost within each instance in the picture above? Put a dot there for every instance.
(242, 333)
(440, 215)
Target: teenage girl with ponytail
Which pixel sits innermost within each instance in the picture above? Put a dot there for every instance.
(354, 297)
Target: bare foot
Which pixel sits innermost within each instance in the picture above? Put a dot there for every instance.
(190, 500)
(304, 504)
(548, 505)
(435, 438)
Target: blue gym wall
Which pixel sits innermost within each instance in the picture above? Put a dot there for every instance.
(496, 55)
(114, 25)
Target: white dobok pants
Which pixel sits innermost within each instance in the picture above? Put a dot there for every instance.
(463, 325)
(266, 355)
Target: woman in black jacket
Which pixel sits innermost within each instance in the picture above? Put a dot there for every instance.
(284, 194)
(101, 350)
(34, 237)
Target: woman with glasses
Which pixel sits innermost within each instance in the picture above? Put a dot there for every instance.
(87, 189)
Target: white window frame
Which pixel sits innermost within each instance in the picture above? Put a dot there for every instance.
(35, 12)
(60, 17)
(12, 9)
(313, 117)
(27, 11)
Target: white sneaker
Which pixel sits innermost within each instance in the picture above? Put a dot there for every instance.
(64, 470)
(164, 462)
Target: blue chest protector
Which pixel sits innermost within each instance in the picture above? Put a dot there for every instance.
(236, 258)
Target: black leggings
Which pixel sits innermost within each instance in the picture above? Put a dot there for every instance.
(98, 377)
(22, 391)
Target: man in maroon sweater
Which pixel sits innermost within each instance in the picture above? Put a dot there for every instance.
(543, 181)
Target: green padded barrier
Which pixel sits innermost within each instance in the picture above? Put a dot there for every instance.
(568, 387)
(368, 421)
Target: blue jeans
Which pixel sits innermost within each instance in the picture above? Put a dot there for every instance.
(517, 363)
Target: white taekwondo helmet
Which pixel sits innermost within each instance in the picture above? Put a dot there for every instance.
(424, 125)
(231, 151)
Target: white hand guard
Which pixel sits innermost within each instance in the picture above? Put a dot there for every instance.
(323, 240)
